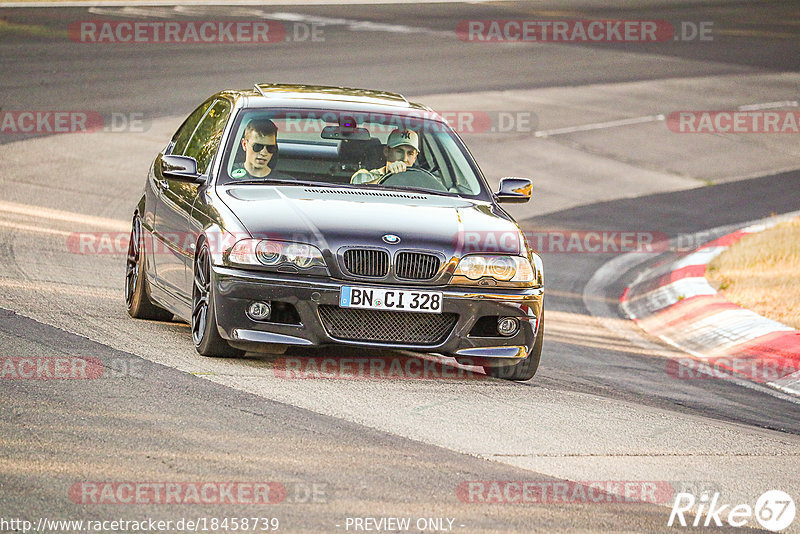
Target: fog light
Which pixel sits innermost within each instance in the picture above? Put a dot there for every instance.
(507, 326)
(259, 311)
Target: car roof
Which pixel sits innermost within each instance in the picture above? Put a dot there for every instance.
(329, 97)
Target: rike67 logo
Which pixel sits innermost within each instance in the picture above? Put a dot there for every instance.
(774, 510)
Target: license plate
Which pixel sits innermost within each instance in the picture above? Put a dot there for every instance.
(390, 299)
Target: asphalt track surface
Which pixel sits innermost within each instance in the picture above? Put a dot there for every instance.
(601, 408)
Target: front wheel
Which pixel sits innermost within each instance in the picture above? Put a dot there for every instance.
(525, 368)
(205, 335)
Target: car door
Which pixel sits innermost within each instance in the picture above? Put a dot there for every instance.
(202, 146)
(173, 203)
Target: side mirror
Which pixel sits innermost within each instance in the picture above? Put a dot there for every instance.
(516, 190)
(181, 168)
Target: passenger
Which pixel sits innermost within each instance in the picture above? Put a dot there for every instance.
(401, 151)
(260, 144)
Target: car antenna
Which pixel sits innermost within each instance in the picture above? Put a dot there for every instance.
(258, 88)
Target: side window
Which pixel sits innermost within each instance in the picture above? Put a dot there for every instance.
(184, 133)
(205, 141)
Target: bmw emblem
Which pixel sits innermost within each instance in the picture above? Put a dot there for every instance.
(391, 239)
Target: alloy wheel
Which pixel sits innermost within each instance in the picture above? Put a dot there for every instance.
(132, 264)
(200, 293)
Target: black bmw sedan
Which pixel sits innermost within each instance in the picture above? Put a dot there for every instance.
(292, 215)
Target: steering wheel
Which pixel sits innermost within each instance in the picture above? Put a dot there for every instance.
(413, 177)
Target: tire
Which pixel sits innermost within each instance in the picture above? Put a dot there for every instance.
(205, 335)
(523, 369)
(137, 289)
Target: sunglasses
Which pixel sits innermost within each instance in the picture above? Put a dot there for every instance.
(258, 147)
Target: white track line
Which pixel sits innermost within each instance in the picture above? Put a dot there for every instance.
(653, 118)
(600, 125)
(65, 216)
(769, 105)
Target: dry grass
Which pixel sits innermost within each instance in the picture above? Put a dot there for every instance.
(762, 273)
(11, 28)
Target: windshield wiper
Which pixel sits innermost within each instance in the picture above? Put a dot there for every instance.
(415, 189)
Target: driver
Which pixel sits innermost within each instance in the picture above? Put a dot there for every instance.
(259, 144)
(401, 151)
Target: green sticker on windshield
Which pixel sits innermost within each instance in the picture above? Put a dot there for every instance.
(238, 173)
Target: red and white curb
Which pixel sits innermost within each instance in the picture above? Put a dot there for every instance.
(676, 303)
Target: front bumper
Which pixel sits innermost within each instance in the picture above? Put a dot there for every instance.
(235, 289)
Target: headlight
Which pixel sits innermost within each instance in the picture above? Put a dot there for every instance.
(473, 267)
(269, 253)
(500, 268)
(303, 256)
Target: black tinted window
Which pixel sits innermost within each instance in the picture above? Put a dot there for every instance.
(205, 141)
(184, 133)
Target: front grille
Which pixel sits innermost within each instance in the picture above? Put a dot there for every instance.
(416, 265)
(366, 262)
(402, 328)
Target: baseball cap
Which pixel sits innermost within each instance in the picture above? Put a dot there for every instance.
(403, 137)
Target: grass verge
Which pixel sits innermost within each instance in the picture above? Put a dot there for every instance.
(761, 272)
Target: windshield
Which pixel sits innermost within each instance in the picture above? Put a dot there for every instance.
(385, 151)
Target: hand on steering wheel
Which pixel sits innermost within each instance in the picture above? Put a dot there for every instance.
(390, 173)
(413, 177)
(395, 167)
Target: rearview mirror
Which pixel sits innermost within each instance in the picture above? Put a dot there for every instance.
(514, 190)
(345, 132)
(181, 168)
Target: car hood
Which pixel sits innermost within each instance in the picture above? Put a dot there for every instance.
(332, 218)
